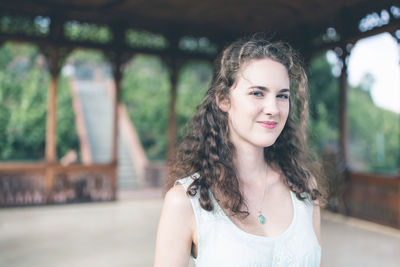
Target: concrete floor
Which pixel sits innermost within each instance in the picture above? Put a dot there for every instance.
(123, 233)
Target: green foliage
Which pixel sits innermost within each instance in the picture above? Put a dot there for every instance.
(145, 92)
(67, 137)
(145, 39)
(195, 78)
(374, 144)
(324, 98)
(38, 26)
(202, 45)
(23, 102)
(374, 134)
(24, 82)
(76, 31)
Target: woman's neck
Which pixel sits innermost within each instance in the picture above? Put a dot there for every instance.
(250, 164)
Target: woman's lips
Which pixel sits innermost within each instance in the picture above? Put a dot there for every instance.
(267, 124)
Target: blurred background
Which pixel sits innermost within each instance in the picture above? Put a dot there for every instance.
(94, 96)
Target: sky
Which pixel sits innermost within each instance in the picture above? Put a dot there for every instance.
(380, 56)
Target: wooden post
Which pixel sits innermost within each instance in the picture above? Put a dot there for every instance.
(397, 37)
(343, 124)
(116, 64)
(172, 108)
(342, 169)
(116, 58)
(398, 162)
(51, 124)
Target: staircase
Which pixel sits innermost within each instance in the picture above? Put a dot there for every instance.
(127, 175)
(97, 111)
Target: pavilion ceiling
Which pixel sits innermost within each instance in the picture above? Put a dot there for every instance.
(298, 21)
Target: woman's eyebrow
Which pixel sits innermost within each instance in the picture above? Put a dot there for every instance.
(263, 88)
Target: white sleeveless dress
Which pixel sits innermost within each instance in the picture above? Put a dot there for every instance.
(221, 243)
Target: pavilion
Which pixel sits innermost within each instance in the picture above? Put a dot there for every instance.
(177, 31)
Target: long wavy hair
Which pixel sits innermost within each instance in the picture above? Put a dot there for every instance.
(207, 150)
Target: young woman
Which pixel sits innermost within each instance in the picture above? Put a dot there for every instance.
(249, 197)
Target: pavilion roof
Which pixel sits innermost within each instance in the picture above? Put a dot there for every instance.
(301, 22)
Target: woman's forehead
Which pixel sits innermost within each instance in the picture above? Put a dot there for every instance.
(266, 72)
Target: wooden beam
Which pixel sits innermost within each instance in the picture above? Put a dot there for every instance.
(90, 14)
(395, 25)
(113, 11)
(16, 167)
(107, 48)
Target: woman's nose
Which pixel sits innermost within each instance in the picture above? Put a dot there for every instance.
(270, 106)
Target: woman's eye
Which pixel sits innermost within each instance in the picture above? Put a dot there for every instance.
(283, 96)
(257, 93)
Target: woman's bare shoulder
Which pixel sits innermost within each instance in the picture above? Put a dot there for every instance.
(175, 229)
(177, 199)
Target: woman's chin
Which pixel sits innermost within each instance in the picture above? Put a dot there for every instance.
(266, 144)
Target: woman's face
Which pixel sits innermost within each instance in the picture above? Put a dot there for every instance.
(258, 106)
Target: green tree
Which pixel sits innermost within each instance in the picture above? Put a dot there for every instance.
(23, 100)
(323, 87)
(67, 137)
(374, 132)
(195, 78)
(145, 92)
(24, 82)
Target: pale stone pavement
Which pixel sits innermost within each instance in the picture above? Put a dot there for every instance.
(122, 233)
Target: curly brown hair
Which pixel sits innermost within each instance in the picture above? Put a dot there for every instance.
(207, 150)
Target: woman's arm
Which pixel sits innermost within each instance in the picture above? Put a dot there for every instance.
(175, 230)
(317, 223)
(316, 215)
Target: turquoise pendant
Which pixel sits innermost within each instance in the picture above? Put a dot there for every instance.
(261, 219)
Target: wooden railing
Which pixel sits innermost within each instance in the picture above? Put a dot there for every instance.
(373, 197)
(367, 196)
(39, 183)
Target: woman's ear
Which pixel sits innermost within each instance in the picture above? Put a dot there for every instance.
(222, 102)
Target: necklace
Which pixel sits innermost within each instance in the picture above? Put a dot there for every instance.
(261, 218)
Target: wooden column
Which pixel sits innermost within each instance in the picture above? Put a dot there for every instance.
(343, 122)
(116, 64)
(51, 124)
(397, 37)
(116, 67)
(172, 108)
(342, 53)
(117, 59)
